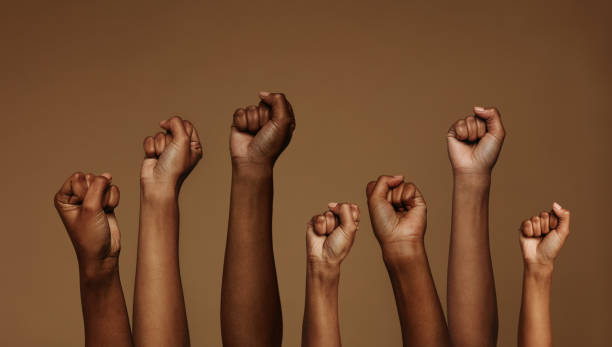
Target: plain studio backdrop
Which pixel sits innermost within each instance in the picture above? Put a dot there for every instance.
(375, 85)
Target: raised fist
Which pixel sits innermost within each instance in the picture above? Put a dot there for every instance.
(171, 155)
(86, 205)
(397, 211)
(260, 133)
(329, 236)
(542, 236)
(474, 143)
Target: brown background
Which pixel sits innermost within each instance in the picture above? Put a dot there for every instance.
(375, 86)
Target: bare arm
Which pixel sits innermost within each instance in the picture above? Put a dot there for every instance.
(329, 238)
(474, 144)
(399, 218)
(160, 317)
(86, 205)
(250, 302)
(541, 238)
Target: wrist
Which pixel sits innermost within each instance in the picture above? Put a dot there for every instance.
(472, 178)
(323, 272)
(98, 272)
(158, 191)
(249, 170)
(538, 270)
(398, 253)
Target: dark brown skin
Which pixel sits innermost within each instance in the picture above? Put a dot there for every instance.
(474, 143)
(86, 206)
(541, 238)
(329, 237)
(250, 303)
(160, 318)
(399, 219)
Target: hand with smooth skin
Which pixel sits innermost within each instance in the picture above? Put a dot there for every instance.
(86, 206)
(398, 213)
(541, 238)
(250, 303)
(329, 237)
(474, 144)
(160, 318)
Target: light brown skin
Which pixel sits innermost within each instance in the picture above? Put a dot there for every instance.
(86, 206)
(160, 318)
(398, 213)
(329, 237)
(474, 144)
(541, 238)
(250, 303)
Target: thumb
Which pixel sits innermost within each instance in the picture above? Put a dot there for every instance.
(281, 108)
(492, 118)
(564, 220)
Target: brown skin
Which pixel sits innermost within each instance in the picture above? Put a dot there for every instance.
(160, 318)
(541, 238)
(86, 206)
(399, 218)
(329, 237)
(250, 303)
(474, 143)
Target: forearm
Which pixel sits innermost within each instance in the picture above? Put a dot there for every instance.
(472, 303)
(418, 305)
(534, 322)
(104, 312)
(250, 302)
(159, 307)
(321, 325)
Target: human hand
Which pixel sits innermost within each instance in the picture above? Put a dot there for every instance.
(541, 237)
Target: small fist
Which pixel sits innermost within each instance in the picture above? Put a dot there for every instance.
(171, 155)
(329, 236)
(261, 133)
(542, 236)
(397, 211)
(474, 143)
(86, 206)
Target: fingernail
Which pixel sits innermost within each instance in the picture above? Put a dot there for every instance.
(332, 204)
(398, 176)
(264, 94)
(556, 206)
(479, 109)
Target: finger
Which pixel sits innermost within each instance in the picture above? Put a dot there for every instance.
(564, 220)
(544, 218)
(412, 197)
(149, 147)
(330, 222)
(461, 130)
(472, 128)
(396, 196)
(355, 212)
(553, 221)
(492, 118)
(527, 228)
(280, 107)
(382, 186)
(535, 223)
(160, 143)
(240, 120)
(89, 179)
(320, 226)
(111, 199)
(95, 194)
(175, 126)
(264, 113)
(481, 126)
(347, 222)
(252, 115)
(73, 190)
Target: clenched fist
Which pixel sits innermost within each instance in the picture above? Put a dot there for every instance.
(474, 143)
(261, 133)
(329, 236)
(542, 236)
(171, 155)
(398, 213)
(86, 206)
